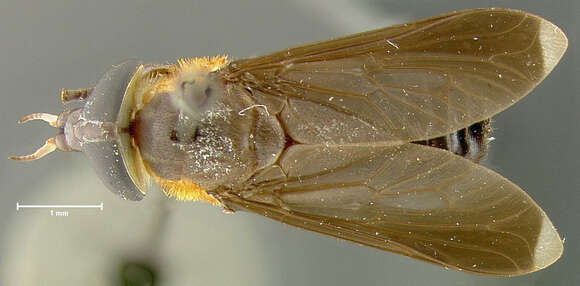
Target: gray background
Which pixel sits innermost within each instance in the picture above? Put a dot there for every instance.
(53, 44)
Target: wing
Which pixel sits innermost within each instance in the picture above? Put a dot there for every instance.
(408, 82)
(414, 200)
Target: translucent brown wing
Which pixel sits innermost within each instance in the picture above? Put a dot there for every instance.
(408, 82)
(414, 200)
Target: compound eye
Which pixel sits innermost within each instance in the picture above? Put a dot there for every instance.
(109, 157)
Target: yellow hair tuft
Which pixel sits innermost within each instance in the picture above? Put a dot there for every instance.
(205, 63)
(186, 190)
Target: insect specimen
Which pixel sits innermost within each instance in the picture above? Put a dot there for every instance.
(372, 138)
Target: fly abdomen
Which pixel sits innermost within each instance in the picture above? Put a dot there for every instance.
(470, 142)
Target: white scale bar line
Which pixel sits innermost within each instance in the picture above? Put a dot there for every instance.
(99, 206)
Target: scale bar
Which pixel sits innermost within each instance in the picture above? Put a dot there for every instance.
(99, 206)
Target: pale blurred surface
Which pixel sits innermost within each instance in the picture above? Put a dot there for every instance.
(56, 44)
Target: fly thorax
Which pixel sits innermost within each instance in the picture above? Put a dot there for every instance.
(197, 133)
